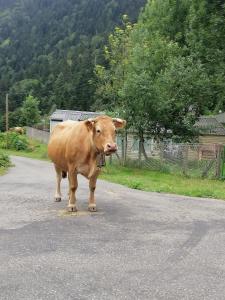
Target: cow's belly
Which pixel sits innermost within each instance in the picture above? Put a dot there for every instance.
(56, 152)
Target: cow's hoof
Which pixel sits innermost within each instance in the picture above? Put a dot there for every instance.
(72, 209)
(57, 199)
(92, 207)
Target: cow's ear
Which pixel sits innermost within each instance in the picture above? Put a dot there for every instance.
(119, 123)
(90, 123)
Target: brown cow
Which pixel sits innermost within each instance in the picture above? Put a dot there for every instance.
(75, 147)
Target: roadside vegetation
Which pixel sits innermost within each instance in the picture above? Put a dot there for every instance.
(5, 162)
(12, 143)
(156, 181)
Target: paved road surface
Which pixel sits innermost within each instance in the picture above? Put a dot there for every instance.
(138, 246)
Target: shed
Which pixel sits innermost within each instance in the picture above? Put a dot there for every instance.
(220, 118)
(211, 130)
(74, 115)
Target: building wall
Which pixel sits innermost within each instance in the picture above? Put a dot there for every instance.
(212, 139)
(53, 123)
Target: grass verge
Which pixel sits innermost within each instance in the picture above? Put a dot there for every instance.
(39, 151)
(154, 181)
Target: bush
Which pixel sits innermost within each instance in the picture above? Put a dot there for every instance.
(4, 160)
(14, 141)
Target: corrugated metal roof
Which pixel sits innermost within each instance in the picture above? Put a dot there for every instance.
(209, 125)
(63, 115)
(220, 117)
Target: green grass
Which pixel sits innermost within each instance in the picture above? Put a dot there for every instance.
(39, 151)
(2, 171)
(155, 181)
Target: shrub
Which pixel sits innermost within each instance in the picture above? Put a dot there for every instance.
(4, 160)
(14, 141)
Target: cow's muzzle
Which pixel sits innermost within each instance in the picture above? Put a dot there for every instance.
(110, 149)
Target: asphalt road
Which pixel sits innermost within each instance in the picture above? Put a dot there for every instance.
(138, 245)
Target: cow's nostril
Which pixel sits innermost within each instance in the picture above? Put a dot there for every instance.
(111, 147)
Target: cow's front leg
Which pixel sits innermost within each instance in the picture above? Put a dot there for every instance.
(58, 179)
(72, 189)
(92, 186)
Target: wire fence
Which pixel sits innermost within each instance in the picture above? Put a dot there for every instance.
(192, 160)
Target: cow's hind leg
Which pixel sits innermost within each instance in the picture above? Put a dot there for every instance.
(72, 189)
(58, 181)
(92, 186)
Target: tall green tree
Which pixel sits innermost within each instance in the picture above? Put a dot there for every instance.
(110, 78)
(167, 18)
(30, 113)
(152, 76)
(205, 39)
(163, 91)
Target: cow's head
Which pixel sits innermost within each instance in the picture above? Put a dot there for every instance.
(104, 132)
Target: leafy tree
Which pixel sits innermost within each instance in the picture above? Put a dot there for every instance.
(163, 92)
(167, 18)
(152, 79)
(110, 78)
(30, 114)
(205, 40)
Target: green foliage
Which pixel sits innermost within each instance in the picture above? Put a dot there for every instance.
(15, 119)
(110, 80)
(160, 73)
(205, 40)
(14, 141)
(36, 150)
(167, 69)
(4, 160)
(154, 181)
(30, 114)
(166, 18)
(49, 48)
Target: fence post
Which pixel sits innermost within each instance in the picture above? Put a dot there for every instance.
(123, 150)
(161, 150)
(222, 162)
(219, 161)
(139, 152)
(185, 159)
(125, 146)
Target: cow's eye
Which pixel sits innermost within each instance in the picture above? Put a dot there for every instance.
(98, 130)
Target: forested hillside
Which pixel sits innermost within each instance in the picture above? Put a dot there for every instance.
(49, 48)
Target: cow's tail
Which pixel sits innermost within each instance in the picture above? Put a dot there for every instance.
(64, 174)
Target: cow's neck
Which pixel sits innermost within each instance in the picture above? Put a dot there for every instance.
(94, 160)
(100, 160)
(99, 157)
